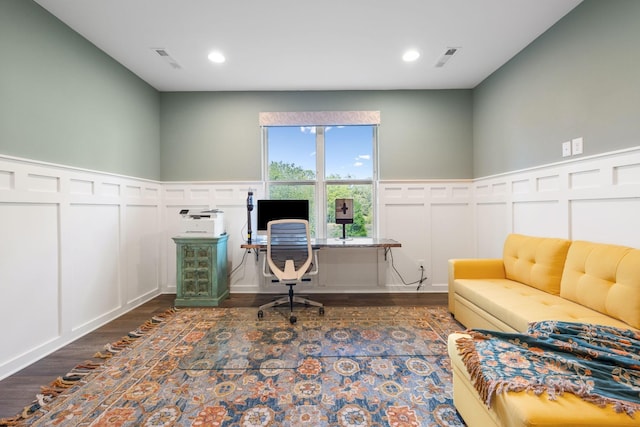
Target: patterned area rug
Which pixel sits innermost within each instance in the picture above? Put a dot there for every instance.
(372, 366)
(265, 344)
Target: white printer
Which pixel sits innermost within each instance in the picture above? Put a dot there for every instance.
(209, 222)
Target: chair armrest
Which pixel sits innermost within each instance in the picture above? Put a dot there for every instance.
(266, 272)
(314, 269)
(473, 268)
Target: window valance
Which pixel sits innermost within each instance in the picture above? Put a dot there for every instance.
(319, 118)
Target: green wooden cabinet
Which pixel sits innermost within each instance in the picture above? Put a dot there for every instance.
(201, 270)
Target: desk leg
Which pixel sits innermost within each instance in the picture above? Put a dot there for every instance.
(381, 263)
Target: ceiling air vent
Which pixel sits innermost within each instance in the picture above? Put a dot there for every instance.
(168, 58)
(446, 56)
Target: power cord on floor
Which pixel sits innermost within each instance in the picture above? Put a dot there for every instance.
(423, 278)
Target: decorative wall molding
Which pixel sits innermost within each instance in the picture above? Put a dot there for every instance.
(432, 220)
(102, 242)
(79, 248)
(594, 198)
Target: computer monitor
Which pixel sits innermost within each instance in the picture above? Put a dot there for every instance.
(269, 210)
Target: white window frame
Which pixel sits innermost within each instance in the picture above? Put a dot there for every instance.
(320, 183)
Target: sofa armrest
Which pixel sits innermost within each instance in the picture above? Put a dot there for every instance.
(476, 268)
(473, 268)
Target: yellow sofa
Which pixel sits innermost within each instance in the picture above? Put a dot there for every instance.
(541, 278)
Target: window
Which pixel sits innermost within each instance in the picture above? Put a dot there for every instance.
(322, 164)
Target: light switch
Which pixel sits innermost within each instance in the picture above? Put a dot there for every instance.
(566, 149)
(576, 146)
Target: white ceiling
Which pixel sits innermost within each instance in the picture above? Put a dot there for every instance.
(310, 45)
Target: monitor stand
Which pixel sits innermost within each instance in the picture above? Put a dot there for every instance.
(344, 233)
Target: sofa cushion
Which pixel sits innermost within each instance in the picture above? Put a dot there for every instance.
(535, 261)
(605, 278)
(517, 304)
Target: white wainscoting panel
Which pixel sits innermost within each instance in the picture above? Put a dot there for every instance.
(29, 278)
(81, 186)
(607, 220)
(405, 214)
(539, 218)
(79, 248)
(43, 183)
(492, 220)
(346, 270)
(408, 223)
(93, 277)
(141, 250)
(83, 247)
(451, 236)
(593, 198)
(626, 174)
(7, 180)
(433, 220)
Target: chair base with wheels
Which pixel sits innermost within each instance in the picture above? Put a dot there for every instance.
(291, 299)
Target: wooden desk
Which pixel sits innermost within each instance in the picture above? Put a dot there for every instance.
(260, 245)
(334, 242)
(356, 242)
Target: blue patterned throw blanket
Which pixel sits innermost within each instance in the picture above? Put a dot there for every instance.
(600, 364)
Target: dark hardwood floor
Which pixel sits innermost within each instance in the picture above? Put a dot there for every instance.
(20, 389)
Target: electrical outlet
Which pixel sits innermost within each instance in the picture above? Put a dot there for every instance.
(566, 149)
(576, 146)
(420, 264)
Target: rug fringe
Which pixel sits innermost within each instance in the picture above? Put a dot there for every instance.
(61, 384)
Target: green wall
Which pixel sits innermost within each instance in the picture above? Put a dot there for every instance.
(64, 101)
(580, 78)
(215, 135)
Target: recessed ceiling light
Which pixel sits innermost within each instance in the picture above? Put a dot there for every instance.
(217, 57)
(410, 55)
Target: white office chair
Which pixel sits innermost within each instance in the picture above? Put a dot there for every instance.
(290, 258)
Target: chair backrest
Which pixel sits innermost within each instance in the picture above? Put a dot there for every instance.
(288, 242)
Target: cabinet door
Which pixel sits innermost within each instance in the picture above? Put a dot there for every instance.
(196, 270)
